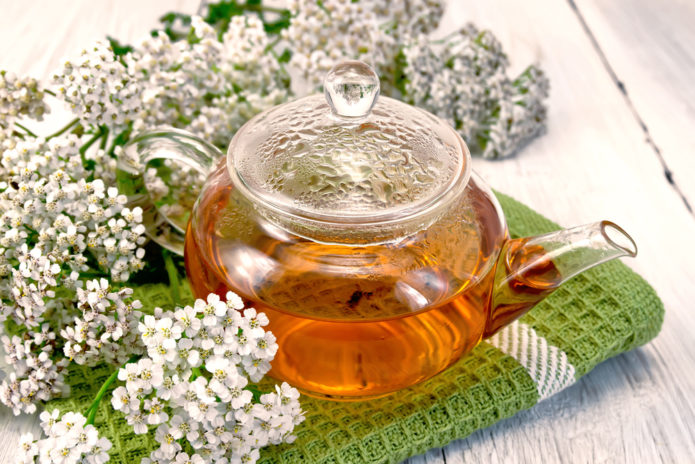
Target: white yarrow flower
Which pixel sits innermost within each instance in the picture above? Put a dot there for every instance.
(206, 385)
(68, 440)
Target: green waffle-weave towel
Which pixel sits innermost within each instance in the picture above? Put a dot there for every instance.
(596, 315)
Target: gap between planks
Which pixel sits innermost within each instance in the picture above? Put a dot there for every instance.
(621, 87)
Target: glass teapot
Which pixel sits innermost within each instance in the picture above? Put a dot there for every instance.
(357, 225)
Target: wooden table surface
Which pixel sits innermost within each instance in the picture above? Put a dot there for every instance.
(620, 145)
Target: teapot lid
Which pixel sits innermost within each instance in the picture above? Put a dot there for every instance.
(348, 156)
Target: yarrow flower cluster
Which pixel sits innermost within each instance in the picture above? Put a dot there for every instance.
(209, 86)
(55, 226)
(193, 384)
(254, 80)
(53, 223)
(100, 326)
(107, 328)
(36, 377)
(463, 80)
(99, 88)
(19, 97)
(323, 33)
(69, 440)
(46, 200)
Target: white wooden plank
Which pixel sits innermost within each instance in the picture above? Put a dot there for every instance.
(649, 46)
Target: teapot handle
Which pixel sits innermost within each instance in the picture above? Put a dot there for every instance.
(162, 223)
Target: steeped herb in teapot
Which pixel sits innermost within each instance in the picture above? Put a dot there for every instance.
(357, 226)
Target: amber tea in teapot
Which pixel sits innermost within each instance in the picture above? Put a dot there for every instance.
(358, 227)
(349, 328)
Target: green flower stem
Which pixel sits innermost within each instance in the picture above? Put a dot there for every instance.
(25, 129)
(173, 274)
(94, 407)
(196, 373)
(61, 131)
(102, 144)
(90, 142)
(50, 92)
(272, 45)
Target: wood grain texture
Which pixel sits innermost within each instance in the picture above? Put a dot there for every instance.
(648, 45)
(593, 163)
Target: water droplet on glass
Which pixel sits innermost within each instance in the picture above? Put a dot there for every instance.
(351, 88)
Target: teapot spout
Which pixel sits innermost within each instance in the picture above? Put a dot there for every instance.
(529, 269)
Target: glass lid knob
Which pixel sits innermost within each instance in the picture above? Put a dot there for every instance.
(351, 88)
